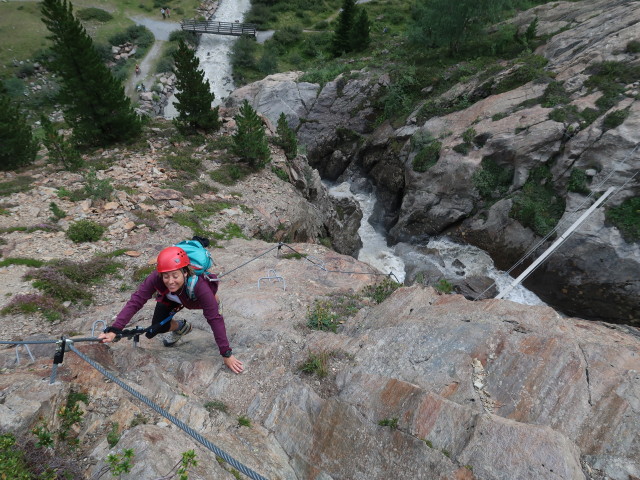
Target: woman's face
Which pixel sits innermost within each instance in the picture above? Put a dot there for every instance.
(174, 280)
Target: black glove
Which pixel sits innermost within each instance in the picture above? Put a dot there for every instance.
(117, 331)
(204, 241)
(151, 332)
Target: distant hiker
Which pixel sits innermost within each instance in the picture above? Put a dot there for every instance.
(164, 13)
(166, 10)
(168, 283)
(137, 69)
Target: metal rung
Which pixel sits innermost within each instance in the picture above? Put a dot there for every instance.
(274, 277)
(93, 328)
(316, 262)
(26, 347)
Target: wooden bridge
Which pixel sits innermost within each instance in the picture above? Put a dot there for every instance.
(236, 29)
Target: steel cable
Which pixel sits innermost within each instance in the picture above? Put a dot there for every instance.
(183, 426)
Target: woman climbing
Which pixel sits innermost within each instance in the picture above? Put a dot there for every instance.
(168, 282)
(137, 69)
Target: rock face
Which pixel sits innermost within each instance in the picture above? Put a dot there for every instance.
(419, 386)
(595, 274)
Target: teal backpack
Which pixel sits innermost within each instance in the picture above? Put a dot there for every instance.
(199, 259)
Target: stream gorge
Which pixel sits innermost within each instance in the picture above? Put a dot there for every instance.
(443, 259)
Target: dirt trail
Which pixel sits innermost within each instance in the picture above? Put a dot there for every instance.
(146, 69)
(161, 30)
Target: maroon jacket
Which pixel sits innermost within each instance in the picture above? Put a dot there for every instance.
(205, 300)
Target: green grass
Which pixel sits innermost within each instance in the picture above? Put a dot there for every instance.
(315, 364)
(23, 32)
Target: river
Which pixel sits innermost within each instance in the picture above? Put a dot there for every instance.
(452, 260)
(213, 53)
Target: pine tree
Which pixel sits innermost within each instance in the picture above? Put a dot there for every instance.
(194, 94)
(341, 41)
(94, 102)
(286, 137)
(250, 141)
(360, 38)
(61, 150)
(18, 148)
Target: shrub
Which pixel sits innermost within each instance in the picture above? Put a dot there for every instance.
(93, 13)
(20, 183)
(321, 317)
(382, 290)
(184, 163)
(216, 405)
(531, 68)
(61, 150)
(50, 308)
(427, 157)
(554, 95)
(136, 34)
(615, 119)
(578, 181)
(389, 422)
(29, 262)
(139, 274)
(55, 284)
(626, 217)
(316, 364)
(85, 231)
(443, 286)
(244, 421)
(113, 437)
(57, 212)
(537, 206)
(280, 173)
(492, 180)
(19, 147)
(633, 47)
(95, 188)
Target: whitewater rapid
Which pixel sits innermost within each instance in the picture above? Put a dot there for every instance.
(214, 52)
(453, 260)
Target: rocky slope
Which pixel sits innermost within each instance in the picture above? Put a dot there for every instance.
(595, 273)
(420, 386)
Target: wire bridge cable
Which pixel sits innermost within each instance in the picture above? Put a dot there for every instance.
(570, 218)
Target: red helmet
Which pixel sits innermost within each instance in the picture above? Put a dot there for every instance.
(172, 258)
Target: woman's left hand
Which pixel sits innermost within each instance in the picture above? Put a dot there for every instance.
(233, 364)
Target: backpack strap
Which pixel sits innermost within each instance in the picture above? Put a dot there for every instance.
(190, 286)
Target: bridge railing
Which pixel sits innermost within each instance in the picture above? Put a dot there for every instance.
(219, 28)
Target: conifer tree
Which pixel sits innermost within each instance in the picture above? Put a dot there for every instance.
(61, 150)
(94, 102)
(194, 94)
(360, 36)
(341, 41)
(286, 137)
(18, 148)
(250, 141)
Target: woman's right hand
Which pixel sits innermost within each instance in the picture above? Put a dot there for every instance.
(233, 364)
(106, 337)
